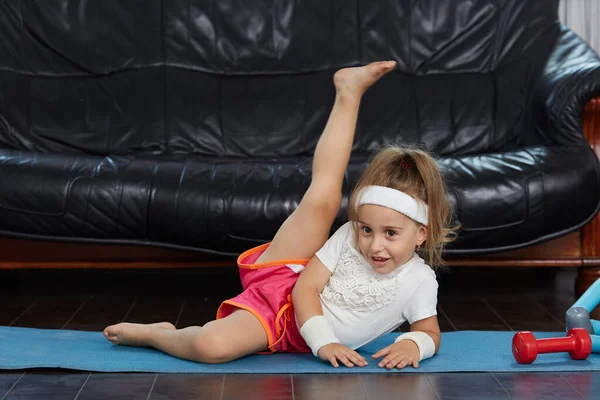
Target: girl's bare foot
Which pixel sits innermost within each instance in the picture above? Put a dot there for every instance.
(356, 80)
(130, 334)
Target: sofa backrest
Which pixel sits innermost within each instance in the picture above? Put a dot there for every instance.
(253, 78)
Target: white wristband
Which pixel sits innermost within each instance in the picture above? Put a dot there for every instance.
(317, 333)
(424, 343)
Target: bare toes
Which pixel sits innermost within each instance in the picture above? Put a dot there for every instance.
(355, 81)
(385, 66)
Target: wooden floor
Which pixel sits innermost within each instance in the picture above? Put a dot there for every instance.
(470, 298)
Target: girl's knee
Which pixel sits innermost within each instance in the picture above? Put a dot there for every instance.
(213, 348)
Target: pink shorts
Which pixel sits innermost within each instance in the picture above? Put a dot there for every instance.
(268, 295)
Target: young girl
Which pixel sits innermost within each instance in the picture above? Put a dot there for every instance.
(305, 293)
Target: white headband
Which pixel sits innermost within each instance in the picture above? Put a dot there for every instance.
(394, 199)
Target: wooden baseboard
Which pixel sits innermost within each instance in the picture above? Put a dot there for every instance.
(24, 254)
(562, 252)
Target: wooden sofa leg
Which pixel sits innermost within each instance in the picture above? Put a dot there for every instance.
(590, 234)
(590, 256)
(585, 278)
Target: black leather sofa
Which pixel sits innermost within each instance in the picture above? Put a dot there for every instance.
(191, 124)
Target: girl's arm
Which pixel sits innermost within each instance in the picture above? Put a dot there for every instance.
(318, 334)
(410, 348)
(310, 284)
(431, 327)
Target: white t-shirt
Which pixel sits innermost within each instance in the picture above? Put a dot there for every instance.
(362, 305)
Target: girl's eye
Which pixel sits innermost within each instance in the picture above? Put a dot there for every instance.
(366, 229)
(392, 233)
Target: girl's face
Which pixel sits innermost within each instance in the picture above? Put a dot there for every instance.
(386, 238)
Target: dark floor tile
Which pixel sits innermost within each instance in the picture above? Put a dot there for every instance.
(48, 385)
(132, 386)
(198, 311)
(328, 386)
(258, 387)
(445, 324)
(100, 311)
(188, 387)
(555, 304)
(471, 313)
(587, 384)
(467, 386)
(390, 386)
(563, 281)
(8, 380)
(504, 280)
(537, 386)
(521, 313)
(147, 309)
(223, 281)
(13, 307)
(51, 312)
(469, 299)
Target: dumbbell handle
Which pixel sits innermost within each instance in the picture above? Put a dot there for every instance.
(555, 345)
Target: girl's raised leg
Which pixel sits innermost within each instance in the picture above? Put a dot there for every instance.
(235, 336)
(300, 236)
(307, 228)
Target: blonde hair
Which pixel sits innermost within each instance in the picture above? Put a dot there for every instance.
(414, 172)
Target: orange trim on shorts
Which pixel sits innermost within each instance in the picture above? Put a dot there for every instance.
(284, 313)
(273, 263)
(256, 314)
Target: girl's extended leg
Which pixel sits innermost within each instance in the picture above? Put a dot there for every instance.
(307, 228)
(237, 335)
(241, 333)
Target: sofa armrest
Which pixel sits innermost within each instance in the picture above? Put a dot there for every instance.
(570, 79)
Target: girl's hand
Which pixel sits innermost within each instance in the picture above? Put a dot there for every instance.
(334, 352)
(399, 355)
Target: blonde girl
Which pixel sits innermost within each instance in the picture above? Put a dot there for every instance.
(304, 292)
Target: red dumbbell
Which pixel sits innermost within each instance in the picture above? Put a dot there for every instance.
(526, 347)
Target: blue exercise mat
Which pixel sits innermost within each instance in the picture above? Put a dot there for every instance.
(474, 351)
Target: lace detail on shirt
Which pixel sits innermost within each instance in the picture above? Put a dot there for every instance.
(353, 285)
